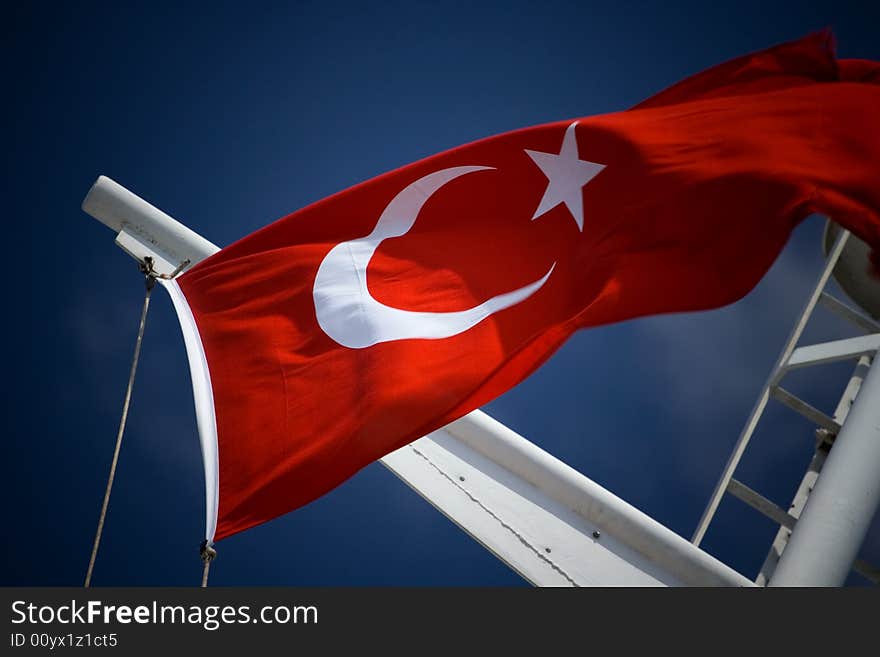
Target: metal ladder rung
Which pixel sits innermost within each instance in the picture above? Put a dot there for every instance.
(835, 305)
(800, 406)
(761, 504)
(831, 352)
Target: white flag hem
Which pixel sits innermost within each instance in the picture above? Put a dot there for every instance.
(203, 397)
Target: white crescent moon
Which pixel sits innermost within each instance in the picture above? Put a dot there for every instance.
(353, 318)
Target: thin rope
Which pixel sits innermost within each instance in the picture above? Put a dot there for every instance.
(150, 281)
(205, 572)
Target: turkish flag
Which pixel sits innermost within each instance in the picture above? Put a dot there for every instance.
(365, 321)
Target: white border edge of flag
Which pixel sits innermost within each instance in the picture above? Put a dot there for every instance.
(203, 397)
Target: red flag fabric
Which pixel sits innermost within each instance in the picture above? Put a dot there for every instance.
(364, 321)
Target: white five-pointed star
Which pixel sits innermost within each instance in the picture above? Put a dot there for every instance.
(567, 174)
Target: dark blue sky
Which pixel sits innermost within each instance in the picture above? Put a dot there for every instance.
(228, 116)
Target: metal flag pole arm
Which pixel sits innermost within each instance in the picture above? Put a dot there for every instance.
(548, 522)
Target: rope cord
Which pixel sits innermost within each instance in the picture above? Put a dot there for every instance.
(149, 282)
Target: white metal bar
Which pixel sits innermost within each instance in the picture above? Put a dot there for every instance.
(832, 352)
(541, 538)
(116, 207)
(749, 428)
(830, 531)
(545, 542)
(671, 552)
